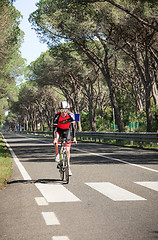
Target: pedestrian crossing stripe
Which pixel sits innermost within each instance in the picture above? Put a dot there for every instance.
(151, 185)
(56, 193)
(114, 192)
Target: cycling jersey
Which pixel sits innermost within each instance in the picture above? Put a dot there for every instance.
(62, 124)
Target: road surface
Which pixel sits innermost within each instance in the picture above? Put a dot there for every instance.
(112, 194)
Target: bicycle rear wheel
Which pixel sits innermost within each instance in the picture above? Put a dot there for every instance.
(66, 166)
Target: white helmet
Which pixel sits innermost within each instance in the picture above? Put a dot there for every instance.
(64, 105)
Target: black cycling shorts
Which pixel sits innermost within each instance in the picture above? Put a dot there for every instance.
(64, 133)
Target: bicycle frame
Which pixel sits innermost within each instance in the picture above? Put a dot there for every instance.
(64, 161)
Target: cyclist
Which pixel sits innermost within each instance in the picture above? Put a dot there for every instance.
(61, 127)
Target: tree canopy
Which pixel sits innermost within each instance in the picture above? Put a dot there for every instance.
(102, 58)
(11, 62)
(111, 35)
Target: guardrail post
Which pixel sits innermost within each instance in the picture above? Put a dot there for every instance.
(140, 144)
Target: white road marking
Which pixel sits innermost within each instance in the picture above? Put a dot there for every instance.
(56, 193)
(151, 185)
(116, 159)
(60, 238)
(41, 201)
(18, 163)
(50, 218)
(114, 192)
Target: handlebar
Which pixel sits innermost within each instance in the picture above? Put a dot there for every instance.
(64, 141)
(67, 142)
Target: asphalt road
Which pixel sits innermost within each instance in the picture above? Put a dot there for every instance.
(112, 194)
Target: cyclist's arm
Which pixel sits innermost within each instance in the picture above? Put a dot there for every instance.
(73, 124)
(73, 130)
(54, 131)
(55, 141)
(55, 125)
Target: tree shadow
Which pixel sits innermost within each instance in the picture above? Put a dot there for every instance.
(91, 153)
(154, 234)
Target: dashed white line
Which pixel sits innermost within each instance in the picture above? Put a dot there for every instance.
(41, 201)
(60, 238)
(50, 218)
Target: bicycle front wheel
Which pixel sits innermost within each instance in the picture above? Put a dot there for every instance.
(66, 166)
(61, 171)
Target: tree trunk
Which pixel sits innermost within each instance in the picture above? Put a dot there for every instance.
(79, 127)
(147, 83)
(26, 124)
(148, 110)
(91, 117)
(113, 101)
(155, 94)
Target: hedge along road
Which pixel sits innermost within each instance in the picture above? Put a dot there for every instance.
(112, 193)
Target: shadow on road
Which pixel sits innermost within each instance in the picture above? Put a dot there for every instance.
(29, 150)
(35, 181)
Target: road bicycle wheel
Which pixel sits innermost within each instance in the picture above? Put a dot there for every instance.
(61, 171)
(66, 166)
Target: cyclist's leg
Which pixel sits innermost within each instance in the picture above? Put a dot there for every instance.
(56, 145)
(68, 151)
(56, 149)
(68, 145)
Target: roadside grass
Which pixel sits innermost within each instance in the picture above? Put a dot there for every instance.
(5, 163)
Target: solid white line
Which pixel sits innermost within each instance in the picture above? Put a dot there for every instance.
(151, 185)
(50, 218)
(18, 163)
(114, 192)
(41, 201)
(35, 139)
(56, 193)
(60, 238)
(116, 159)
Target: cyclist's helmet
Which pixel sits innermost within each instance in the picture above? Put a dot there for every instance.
(64, 105)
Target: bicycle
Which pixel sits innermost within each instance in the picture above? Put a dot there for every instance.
(64, 163)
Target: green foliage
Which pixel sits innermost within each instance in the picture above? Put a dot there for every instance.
(12, 64)
(5, 163)
(85, 121)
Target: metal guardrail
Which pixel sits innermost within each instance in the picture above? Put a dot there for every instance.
(122, 136)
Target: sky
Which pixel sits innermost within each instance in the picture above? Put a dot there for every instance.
(31, 48)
